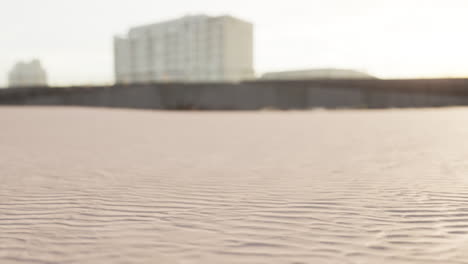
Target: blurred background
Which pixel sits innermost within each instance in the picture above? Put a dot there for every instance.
(388, 39)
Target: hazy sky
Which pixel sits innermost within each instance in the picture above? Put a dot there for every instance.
(388, 38)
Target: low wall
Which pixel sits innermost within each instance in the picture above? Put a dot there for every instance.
(252, 95)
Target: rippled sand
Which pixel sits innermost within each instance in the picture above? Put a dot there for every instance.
(123, 186)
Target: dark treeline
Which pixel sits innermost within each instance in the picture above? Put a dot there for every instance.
(297, 94)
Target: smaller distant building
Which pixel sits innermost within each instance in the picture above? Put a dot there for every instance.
(27, 74)
(311, 74)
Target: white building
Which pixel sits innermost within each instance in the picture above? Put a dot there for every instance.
(317, 74)
(192, 48)
(26, 74)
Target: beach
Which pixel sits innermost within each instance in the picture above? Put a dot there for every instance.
(97, 185)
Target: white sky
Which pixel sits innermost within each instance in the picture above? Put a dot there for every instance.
(388, 38)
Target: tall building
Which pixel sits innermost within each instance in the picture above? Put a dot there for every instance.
(193, 49)
(26, 74)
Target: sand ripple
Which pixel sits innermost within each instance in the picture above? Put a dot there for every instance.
(116, 186)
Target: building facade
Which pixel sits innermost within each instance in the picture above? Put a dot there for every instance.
(27, 74)
(190, 49)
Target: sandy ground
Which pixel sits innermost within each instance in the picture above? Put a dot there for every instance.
(122, 186)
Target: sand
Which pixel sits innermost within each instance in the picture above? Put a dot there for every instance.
(123, 186)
